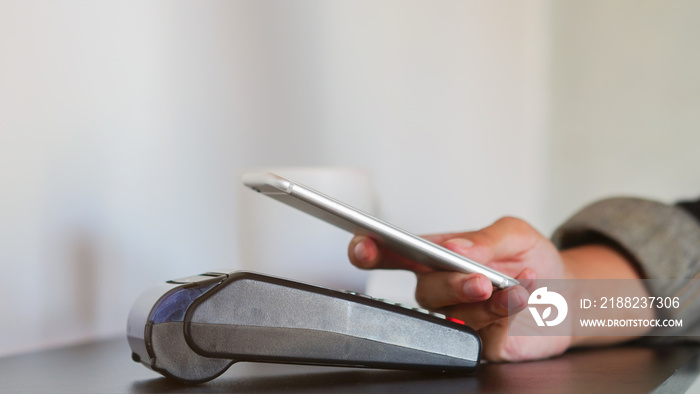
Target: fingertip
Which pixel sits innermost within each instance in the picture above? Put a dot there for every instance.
(477, 288)
(512, 300)
(527, 279)
(527, 274)
(363, 252)
(360, 251)
(353, 249)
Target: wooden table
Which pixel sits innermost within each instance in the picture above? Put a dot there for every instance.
(106, 367)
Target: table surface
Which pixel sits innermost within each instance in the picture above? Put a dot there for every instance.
(106, 367)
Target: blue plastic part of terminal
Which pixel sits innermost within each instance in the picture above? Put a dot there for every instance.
(173, 306)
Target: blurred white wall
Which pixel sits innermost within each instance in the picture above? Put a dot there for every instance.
(123, 126)
(625, 101)
(116, 154)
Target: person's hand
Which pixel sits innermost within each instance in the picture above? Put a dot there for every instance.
(510, 246)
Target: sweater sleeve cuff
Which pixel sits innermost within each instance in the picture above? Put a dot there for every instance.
(663, 240)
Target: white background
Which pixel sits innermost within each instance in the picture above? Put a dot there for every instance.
(124, 126)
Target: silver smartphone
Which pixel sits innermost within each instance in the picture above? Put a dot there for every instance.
(355, 221)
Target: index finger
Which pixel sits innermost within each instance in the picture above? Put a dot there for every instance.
(366, 253)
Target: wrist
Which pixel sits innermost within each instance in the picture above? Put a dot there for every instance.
(598, 261)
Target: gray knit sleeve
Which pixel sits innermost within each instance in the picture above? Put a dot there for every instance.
(663, 240)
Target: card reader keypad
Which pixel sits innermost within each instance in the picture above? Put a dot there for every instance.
(390, 302)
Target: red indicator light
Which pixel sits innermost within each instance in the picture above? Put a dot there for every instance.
(452, 319)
